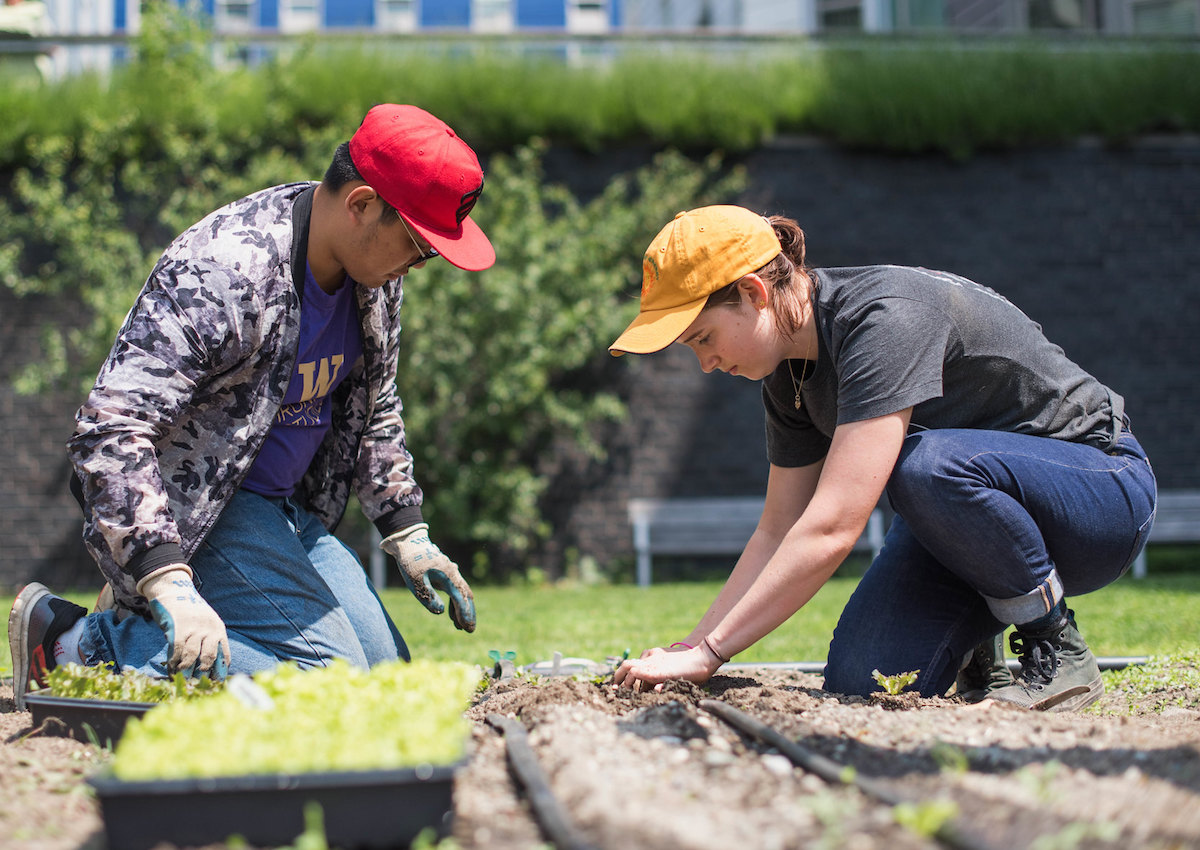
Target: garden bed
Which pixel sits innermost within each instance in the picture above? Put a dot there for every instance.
(655, 770)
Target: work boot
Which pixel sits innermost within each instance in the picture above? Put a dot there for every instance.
(985, 671)
(36, 621)
(1058, 671)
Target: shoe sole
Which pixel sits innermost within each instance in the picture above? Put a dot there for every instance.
(18, 637)
(1065, 700)
(1082, 699)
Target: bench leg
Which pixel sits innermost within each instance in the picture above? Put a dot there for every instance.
(641, 545)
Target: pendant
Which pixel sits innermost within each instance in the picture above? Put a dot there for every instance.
(797, 401)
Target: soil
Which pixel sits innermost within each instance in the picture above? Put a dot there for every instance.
(657, 771)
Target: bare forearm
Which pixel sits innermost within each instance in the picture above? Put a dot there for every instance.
(749, 566)
(797, 570)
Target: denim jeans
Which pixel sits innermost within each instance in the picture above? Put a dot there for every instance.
(286, 589)
(991, 529)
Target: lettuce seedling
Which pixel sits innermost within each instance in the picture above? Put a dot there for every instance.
(897, 683)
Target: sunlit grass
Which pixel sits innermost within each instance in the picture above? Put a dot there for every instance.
(1151, 616)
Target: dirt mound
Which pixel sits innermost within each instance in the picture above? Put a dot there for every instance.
(656, 770)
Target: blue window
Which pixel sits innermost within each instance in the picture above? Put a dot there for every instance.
(446, 13)
(542, 13)
(349, 13)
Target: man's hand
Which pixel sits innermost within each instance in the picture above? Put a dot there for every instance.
(426, 569)
(196, 639)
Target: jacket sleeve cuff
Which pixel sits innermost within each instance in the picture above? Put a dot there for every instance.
(398, 520)
(144, 563)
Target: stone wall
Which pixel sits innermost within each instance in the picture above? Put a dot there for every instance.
(39, 519)
(1098, 245)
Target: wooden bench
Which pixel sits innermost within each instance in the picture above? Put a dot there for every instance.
(1177, 521)
(715, 526)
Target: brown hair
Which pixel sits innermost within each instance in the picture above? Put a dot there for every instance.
(786, 275)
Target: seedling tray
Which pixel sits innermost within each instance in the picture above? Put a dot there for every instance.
(361, 809)
(70, 717)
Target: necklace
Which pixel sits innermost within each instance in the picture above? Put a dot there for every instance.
(803, 375)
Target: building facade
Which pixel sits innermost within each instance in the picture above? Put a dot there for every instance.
(76, 35)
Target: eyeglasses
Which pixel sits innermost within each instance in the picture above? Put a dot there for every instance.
(422, 256)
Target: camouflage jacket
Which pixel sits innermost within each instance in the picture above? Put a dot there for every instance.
(195, 378)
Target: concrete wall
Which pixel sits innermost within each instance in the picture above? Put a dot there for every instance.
(1098, 245)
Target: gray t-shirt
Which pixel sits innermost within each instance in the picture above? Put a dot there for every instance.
(958, 353)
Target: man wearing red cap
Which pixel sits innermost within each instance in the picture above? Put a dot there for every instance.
(250, 391)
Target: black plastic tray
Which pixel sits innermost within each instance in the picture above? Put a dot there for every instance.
(69, 717)
(362, 809)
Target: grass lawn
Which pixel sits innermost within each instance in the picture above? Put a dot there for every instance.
(1158, 615)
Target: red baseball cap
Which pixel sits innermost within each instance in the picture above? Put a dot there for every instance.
(432, 177)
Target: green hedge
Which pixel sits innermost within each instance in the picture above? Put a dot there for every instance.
(954, 96)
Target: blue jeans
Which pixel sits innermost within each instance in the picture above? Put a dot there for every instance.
(286, 588)
(991, 529)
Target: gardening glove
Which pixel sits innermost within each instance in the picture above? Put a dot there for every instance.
(426, 569)
(196, 637)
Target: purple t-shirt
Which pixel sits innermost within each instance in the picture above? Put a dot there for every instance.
(330, 342)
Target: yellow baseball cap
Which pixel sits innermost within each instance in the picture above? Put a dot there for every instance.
(696, 254)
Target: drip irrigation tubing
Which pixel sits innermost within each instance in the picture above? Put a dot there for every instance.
(529, 775)
(949, 833)
(1110, 662)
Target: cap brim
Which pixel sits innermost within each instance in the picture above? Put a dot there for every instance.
(467, 247)
(654, 330)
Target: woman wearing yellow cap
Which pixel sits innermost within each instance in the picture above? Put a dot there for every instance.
(1014, 476)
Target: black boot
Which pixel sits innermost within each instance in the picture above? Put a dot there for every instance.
(985, 671)
(1058, 671)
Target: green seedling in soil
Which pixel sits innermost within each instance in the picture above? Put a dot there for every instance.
(833, 810)
(893, 685)
(1172, 680)
(949, 757)
(1078, 834)
(427, 839)
(1038, 779)
(925, 818)
(313, 837)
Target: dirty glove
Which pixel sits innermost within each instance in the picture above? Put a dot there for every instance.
(426, 569)
(196, 638)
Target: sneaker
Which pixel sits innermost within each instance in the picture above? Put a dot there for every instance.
(1058, 671)
(107, 601)
(37, 619)
(985, 671)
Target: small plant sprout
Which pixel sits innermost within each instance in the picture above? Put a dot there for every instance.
(895, 684)
(925, 818)
(1078, 834)
(949, 757)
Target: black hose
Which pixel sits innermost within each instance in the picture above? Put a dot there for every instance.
(1111, 662)
(529, 774)
(831, 771)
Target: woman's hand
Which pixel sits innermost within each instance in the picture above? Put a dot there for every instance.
(659, 665)
(658, 650)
